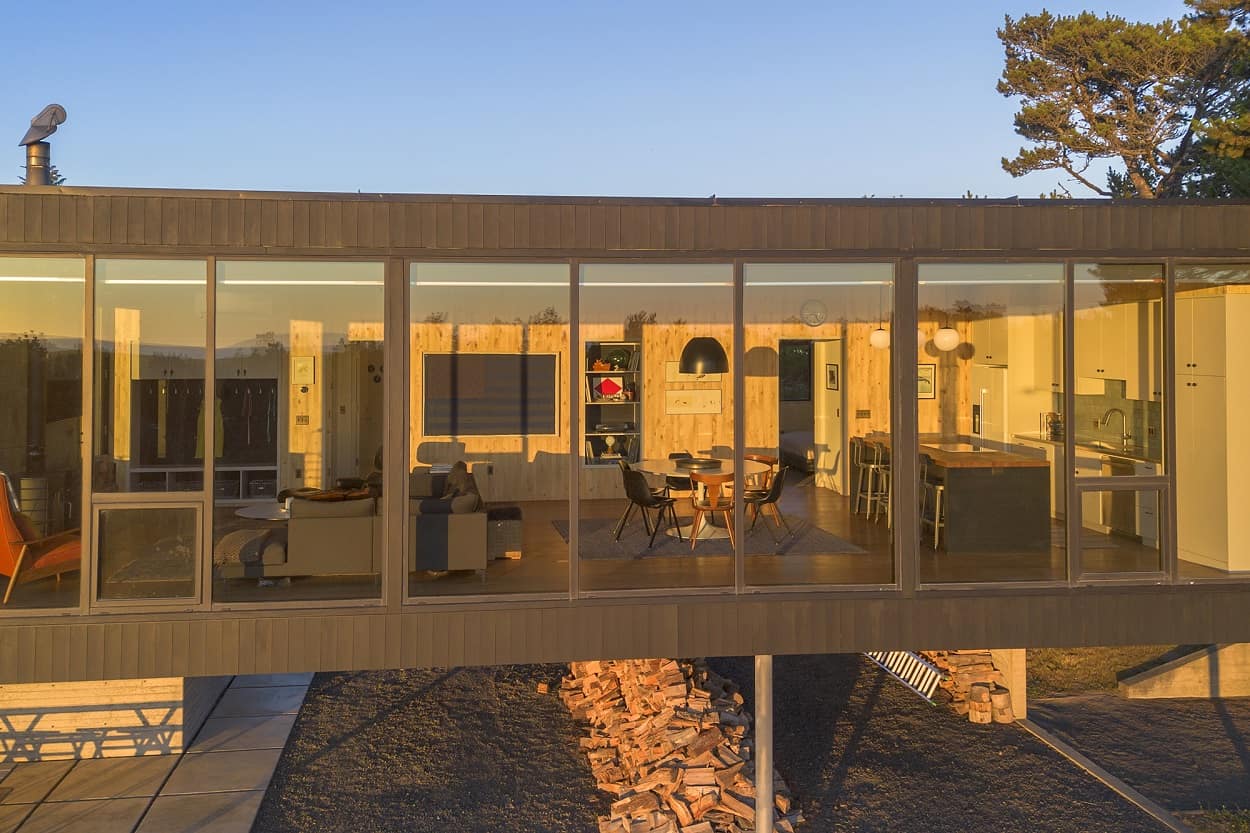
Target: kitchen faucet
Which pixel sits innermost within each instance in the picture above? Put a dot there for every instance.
(1125, 436)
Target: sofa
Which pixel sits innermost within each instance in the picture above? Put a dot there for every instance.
(443, 535)
(321, 538)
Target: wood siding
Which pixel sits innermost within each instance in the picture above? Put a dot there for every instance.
(119, 220)
(291, 641)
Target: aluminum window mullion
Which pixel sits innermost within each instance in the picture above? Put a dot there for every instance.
(205, 574)
(905, 422)
(1167, 535)
(86, 514)
(574, 371)
(1072, 500)
(395, 454)
(737, 349)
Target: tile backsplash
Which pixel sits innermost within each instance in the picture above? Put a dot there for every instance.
(1144, 419)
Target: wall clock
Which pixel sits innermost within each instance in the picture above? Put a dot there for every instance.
(813, 313)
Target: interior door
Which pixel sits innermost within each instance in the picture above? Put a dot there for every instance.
(829, 414)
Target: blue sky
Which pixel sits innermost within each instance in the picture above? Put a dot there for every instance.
(886, 98)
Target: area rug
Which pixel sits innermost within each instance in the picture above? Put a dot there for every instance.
(595, 541)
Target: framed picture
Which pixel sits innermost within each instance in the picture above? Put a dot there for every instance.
(303, 370)
(926, 381)
(831, 377)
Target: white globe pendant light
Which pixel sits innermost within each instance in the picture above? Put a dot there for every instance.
(880, 338)
(946, 339)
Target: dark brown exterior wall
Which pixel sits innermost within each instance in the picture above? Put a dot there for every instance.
(100, 221)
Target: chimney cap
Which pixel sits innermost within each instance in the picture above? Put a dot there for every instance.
(44, 124)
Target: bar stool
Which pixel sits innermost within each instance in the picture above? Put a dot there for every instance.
(863, 473)
(932, 501)
(880, 499)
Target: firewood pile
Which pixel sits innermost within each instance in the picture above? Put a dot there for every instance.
(974, 686)
(671, 743)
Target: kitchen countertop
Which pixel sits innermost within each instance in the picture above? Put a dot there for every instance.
(1134, 452)
(958, 454)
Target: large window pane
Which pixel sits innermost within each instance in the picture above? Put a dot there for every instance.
(1120, 531)
(41, 322)
(297, 416)
(1212, 328)
(641, 413)
(149, 375)
(991, 422)
(489, 436)
(148, 553)
(817, 387)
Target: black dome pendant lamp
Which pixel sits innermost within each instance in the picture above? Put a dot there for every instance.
(703, 355)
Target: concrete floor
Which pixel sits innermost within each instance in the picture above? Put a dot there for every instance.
(216, 786)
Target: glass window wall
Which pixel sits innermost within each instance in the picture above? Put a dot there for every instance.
(148, 422)
(297, 440)
(489, 428)
(1212, 341)
(817, 416)
(657, 480)
(41, 324)
(991, 422)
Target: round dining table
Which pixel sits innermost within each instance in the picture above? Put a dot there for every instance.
(665, 467)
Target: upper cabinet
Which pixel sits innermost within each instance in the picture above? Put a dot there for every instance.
(989, 339)
(1200, 335)
(1119, 341)
(153, 365)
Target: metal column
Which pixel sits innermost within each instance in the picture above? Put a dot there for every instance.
(763, 743)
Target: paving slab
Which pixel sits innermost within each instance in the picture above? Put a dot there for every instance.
(231, 734)
(12, 815)
(215, 813)
(223, 772)
(30, 783)
(266, 680)
(114, 778)
(255, 702)
(110, 815)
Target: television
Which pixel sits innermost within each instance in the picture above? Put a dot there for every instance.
(490, 394)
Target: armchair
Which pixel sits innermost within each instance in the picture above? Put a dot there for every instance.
(24, 556)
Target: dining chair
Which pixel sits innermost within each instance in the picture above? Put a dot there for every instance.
(675, 482)
(762, 481)
(714, 500)
(757, 502)
(644, 499)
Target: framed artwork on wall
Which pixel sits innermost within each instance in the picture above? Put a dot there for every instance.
(831, 377)
(926, 381)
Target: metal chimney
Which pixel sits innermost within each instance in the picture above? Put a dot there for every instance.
(39, 152)
(39, 163)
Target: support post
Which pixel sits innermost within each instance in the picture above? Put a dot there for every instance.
(763, 743)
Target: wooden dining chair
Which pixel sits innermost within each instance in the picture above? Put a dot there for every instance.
(760, 502)
(762, 481)
(713, 500)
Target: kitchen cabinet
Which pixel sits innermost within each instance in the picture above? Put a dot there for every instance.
(1147, 508)
(1201, 334)
(257, 366)
(165, 366)
(1054, 457)
(1203, 508)
(990, 340)
(1116, 342)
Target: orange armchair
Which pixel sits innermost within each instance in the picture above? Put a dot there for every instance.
(23, 555)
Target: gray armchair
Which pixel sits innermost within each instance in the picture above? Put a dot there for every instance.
(443, 535)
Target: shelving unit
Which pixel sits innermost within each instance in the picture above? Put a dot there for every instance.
(612, 402)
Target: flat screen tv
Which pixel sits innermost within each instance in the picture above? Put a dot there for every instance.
(483, 394)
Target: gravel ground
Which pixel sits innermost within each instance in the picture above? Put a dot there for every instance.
(472, 750)
(1186, 754)
(862, 753)
(445, 751)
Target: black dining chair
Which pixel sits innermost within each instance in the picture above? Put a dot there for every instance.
(757, 502)
(677, 483)
(644, 499)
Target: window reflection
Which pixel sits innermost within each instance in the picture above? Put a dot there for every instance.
(489, 407)
(298, 413)
(817, 388)
(991, 422)
(644, 418)
(41, 322)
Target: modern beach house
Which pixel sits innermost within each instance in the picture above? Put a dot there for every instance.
(270, 432)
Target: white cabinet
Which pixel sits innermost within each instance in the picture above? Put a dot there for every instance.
(152, 365)
(1203, 508)
(255, 366)
(1115, 342)
(1147, 506)
(990, 340)
(1201, 335)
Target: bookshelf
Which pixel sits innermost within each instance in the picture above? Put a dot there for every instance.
(612, 396)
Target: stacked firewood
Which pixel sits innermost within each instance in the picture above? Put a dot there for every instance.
(670, 742)
(974, 686)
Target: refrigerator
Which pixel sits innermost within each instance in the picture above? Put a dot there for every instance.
(989, 407)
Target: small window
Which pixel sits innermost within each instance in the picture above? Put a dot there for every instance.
(795, 371)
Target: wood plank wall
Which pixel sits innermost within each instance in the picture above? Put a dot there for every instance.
(273, 642)
(81, 219)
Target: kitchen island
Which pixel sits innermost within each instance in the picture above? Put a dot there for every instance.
(994, 501)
